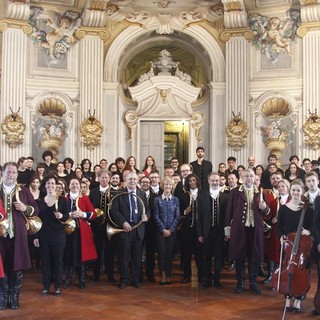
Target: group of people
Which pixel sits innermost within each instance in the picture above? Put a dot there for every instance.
(237, 214)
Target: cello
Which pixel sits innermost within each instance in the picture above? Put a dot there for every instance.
(292, 278)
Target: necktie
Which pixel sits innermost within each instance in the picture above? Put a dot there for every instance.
(134, 211)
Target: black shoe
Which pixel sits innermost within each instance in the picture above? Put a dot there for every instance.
(315, 312)
(163, 283)
(57, 292)
(239, 288)
(136, 285)
(297, 310)
(122, 285)
(185, 280)
(267, 279)
(217, 284)
(254, 288)
(81, 285)
(289, 309)
(44, 292)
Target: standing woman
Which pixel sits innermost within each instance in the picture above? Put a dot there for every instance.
(188, 231)
(131, 165)
(149, 165)
(272, 243)
(52, 238)
(41, 167)
(80, 246)
(167, 216)
(288, 221)
(34, 187)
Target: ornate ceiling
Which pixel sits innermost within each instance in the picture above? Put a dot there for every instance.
(146, 12)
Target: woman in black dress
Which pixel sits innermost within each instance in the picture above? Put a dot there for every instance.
(51, 237)
(288, 221)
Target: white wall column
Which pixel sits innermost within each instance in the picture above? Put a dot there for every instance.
(237, 86)
(91, 86)
(311, 82)
(13, 87)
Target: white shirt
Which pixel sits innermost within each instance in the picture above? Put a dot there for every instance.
(214, 193)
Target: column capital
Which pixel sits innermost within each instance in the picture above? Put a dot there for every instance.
(237, 32)
(306, 27)
(88, 31)
(6, 24)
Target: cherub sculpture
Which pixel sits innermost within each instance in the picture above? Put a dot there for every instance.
(274, 36)
(59, 39)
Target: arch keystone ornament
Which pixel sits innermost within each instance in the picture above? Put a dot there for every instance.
(237, 132)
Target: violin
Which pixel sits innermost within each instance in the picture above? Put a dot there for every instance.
(292, 278)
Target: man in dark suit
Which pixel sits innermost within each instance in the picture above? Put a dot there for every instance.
(127, 212)
(210, 228)
(152, 190)
(100, 198)
(202, 168)
(244, 217)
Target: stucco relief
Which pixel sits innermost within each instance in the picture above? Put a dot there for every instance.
(275, 36)
(55, 34)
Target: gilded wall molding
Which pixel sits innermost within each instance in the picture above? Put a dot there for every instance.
(306, 27)
(237, 132)
(91, 131)
(311, 129)
(239, 32)
(88, 31)
(13, 129)
(6, 24)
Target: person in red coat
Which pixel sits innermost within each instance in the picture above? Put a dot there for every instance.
(275, 198)
(244, 218)
(80, 246)
(14, 248)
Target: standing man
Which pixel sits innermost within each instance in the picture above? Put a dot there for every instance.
(272, 243)
(151, 230)
(265, 179)
(126, 212)
(232, 167)
(244, 218)
(100, 197)
(175, 164)
(47, 157)
(202, 168)
(210, 229)
(14, 249)
(251, 161)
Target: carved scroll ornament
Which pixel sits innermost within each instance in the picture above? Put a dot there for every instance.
(91, 131)
(13, 128)
(131, 119)
(197, 122)
(237, 131)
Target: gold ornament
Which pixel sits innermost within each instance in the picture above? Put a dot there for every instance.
(311, 129)
(237, 132)
(13, 128)
(91, 131)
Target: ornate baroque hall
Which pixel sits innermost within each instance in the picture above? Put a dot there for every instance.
(101, 79)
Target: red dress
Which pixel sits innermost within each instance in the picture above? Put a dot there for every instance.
(272, 242)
